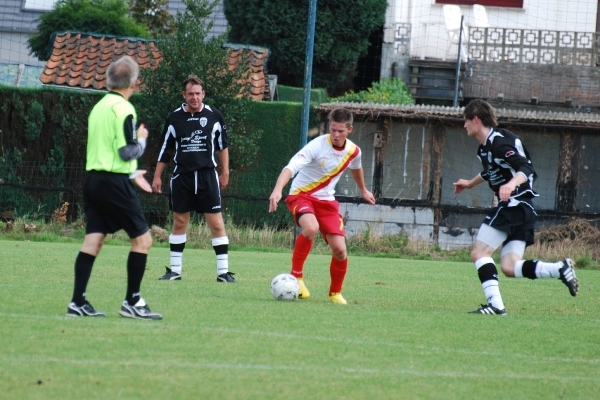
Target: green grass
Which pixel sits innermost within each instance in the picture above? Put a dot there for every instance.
(404, 334)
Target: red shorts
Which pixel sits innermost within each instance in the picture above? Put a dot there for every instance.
(327, 212)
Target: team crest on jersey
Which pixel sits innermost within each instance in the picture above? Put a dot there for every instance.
(509, 153)
(203, 121)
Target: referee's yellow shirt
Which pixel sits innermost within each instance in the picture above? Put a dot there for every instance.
(106, 135)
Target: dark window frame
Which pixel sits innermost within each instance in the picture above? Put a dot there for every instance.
(487, 3)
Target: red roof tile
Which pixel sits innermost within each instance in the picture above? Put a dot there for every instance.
(80, 60)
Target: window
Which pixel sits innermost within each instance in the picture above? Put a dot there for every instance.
(38, 5)
(489, 3)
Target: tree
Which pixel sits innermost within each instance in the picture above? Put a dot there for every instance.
(153, 15)
(187, 51)
(98, 16)
(341, 35)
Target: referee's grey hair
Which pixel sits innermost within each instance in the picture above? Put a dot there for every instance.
(122, 73)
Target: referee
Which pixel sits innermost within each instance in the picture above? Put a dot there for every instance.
(109, 199)
(197, 135)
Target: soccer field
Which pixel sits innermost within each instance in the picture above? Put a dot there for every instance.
(405, 333)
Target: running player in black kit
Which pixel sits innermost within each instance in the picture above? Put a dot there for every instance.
(509, 172)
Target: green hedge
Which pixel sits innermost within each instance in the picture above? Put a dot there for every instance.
(294, 94)
(44, 134)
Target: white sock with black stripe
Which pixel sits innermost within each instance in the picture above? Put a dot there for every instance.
(177, 244)
(488, 276)
(221, 247)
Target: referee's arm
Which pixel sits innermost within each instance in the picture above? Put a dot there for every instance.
(136, 144)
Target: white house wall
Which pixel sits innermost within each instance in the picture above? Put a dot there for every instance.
(428, 32)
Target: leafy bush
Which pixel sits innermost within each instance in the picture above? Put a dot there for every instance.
(386, 91)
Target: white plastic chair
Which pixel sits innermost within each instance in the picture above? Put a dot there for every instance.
(452, 19)
(480, 16)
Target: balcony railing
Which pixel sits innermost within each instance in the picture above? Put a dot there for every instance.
(532, 46)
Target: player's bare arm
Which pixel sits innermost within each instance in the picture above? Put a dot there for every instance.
(462, 184)
(223, 168)
(282, 180)
(141, 182)
(157, 181)
(359, 178)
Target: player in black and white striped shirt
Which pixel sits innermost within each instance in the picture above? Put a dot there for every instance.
(509, 172)
(195, 135)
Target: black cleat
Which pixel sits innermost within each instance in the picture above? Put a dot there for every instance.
(567, 276)
(86, 310)
(170, 276)
(488, 309)
(226, 277)
(140, 311)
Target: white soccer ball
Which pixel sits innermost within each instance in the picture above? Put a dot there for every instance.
(285, 287)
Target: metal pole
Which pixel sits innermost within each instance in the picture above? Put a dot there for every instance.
(455, 101)
(310, 44)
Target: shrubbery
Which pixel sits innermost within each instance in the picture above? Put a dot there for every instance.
(386, 91)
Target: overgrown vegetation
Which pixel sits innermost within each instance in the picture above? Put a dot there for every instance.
(386, 91)
(99, 16)
(267, 239)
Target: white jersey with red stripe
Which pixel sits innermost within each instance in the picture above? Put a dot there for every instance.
(319, 166)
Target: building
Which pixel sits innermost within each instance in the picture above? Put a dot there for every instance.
(18, 22)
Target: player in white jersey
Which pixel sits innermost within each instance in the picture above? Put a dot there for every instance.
(317, 169)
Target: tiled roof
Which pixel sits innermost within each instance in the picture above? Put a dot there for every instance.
(80, 60)
(256, 60)
(420, 112)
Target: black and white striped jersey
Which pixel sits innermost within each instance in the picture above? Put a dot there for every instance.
(193, 140)
(502, 157)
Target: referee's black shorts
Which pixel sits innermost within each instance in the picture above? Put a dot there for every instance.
(111, 204)
(195, 191)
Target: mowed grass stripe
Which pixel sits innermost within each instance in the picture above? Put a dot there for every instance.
(310, 369)
(408, 346)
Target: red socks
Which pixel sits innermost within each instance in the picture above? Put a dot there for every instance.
(301, 250)
(337, 270)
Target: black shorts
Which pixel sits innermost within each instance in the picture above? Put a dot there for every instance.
(111, 204)
(518, 222)
(195, 191)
